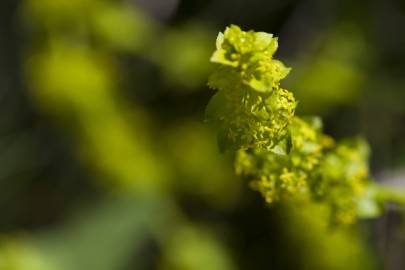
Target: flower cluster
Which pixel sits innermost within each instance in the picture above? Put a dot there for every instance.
(251, 109)
(282, 155)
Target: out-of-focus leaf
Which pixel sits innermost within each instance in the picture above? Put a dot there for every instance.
(183, 55)
(122, 27)
(191, 248)
(108, 236)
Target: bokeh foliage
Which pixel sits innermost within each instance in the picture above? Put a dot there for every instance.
(107, 162)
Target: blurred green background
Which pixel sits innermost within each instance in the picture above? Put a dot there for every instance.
(106, 162)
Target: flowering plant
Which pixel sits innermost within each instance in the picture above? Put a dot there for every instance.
(282, 155)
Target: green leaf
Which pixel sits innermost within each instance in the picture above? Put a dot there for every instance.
(215, 108)
(367, 206)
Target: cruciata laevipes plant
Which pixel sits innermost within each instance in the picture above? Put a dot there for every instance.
(282, 155)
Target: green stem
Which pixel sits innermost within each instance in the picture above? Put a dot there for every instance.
(390, 194)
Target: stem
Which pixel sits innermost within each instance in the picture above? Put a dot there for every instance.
(390, 194)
